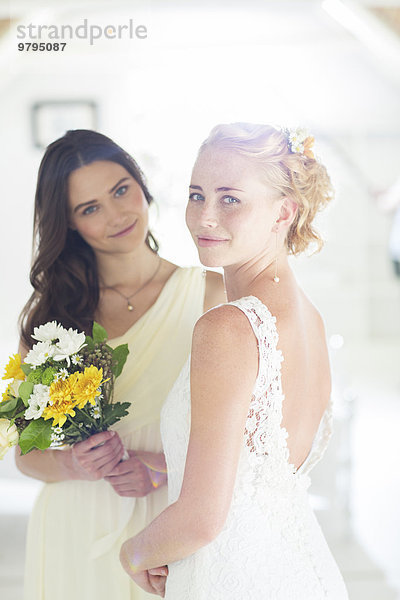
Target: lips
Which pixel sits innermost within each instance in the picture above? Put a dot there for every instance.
(124, 231)
(207, 241)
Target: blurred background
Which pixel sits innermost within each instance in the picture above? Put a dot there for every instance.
(332, 66)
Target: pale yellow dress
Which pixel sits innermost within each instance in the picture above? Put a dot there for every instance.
(77, 527)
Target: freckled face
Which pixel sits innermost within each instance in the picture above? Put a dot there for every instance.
(231, 211)
(107, 207)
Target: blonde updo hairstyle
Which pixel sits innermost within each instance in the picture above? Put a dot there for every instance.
(292, 174)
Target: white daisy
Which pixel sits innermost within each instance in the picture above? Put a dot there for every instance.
(39, 354)
(56, 440)
(297, 147)
(48, 332)
(296, 138)
(37, 402)
(61, 374)
(96, 413)
(76, 359)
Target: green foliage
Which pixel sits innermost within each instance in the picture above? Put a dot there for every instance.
(8, 406)
(119, 356)
(99, 334)
(35, 376)
(72, 436)
(83, 425)
(89, 343)
(26, 368)
(48, 375)
(80, 427)
(114, 412)
(36, 435)
(25, 391)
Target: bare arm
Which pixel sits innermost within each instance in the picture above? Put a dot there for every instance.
(223, 372)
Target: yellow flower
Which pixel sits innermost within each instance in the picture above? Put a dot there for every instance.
(87, 384)
(6, 393)
(11, 390)
(62, 400)
(13, 368)
(75, 391)
(308, 144)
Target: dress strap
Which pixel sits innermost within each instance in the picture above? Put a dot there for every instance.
(263, 433)
(264, 328)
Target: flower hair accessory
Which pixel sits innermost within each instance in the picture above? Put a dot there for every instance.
(299, 141)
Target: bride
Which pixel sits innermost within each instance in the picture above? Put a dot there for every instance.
(247, 418)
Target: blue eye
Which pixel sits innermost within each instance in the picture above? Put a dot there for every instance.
(90, 210)
(195, 197)
(230, 200)
(121, 190)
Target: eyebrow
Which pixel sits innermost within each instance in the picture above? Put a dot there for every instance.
(220, 189)
(117, 184)
(89, 202)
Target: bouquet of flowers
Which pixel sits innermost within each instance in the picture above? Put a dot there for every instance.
(63, 392)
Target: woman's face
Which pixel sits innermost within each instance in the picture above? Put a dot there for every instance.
(231, 212)
(107, 207)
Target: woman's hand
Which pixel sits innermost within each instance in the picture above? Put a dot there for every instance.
(158, 579)
(154, 584)
(97, 456)
(138, 475)
(152, 581)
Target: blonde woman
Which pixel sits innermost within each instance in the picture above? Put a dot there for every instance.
(240, 427)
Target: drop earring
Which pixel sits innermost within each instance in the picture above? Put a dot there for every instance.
(276, 278)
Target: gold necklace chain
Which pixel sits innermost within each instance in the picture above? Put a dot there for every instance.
(128, 298)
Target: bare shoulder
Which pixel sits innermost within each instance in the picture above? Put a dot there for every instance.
(215, 291)
(225, 327)
(166, 270)
(224, 350)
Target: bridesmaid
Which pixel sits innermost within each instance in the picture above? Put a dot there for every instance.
(97, 260)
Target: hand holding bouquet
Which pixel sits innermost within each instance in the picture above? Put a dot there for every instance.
(63, 392)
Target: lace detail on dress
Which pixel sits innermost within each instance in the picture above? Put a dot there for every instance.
(263, 427)
(271, 547)
(266, 403)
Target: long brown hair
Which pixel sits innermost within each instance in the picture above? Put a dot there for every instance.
(64, 272)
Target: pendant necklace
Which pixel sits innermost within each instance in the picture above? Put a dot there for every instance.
(128, 298)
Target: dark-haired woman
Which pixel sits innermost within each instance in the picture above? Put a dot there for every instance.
(97, 260)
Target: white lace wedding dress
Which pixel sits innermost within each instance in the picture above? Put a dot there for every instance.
(271, 546)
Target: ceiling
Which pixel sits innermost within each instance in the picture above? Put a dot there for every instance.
(335, 62)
